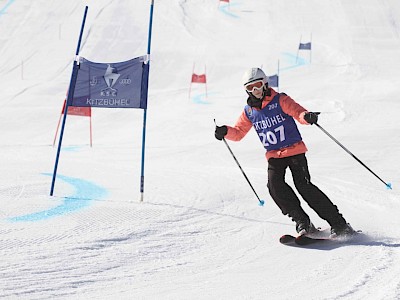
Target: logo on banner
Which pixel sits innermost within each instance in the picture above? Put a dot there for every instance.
(93, 82)
(110, 77)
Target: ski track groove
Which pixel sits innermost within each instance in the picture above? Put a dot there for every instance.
(161, 244)
(362, 288)
(197, 237)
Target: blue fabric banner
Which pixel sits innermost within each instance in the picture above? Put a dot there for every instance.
(273, 81)
(305, 46)
(112, 85)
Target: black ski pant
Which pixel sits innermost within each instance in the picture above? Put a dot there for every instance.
(285, 197)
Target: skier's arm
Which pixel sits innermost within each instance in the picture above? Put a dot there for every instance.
(241, 128)
(292, 108)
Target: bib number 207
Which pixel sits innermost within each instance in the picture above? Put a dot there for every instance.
(271, 137)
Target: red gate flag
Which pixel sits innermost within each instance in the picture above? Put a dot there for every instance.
(77, 110)
(199, 78)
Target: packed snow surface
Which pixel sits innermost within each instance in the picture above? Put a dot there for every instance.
(199, 233)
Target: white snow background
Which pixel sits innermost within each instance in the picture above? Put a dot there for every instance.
(199, 234)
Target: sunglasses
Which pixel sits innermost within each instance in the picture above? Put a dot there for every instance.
(258, 85)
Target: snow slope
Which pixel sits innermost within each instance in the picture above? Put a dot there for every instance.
(199, 234)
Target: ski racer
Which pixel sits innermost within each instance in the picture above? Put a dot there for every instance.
(273, 117)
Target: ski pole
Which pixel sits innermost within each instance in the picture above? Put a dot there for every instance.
(260, 202)
(388, 185)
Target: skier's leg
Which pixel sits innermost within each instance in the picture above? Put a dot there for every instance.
(283, 194)
(317, 200)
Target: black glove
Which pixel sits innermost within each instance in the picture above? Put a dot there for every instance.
(311, 117)
(220, 132)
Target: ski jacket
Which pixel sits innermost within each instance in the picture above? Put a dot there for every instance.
(289, 108)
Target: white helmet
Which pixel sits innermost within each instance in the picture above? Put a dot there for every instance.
(254, 74)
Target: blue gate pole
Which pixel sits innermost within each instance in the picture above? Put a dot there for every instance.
(69, 100)
(145, 110)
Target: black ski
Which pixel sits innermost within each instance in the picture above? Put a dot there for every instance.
(287, 239)
(304, 240)
(301, 240)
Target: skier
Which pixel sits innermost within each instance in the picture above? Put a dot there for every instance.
(272, 115)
